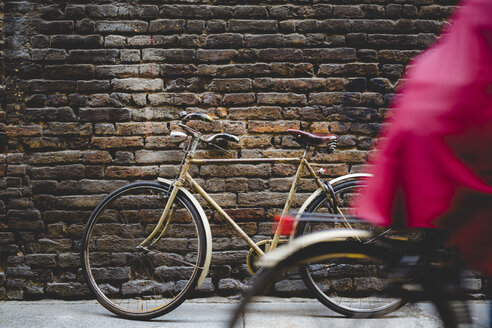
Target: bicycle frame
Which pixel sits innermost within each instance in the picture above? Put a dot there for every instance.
(185, 177)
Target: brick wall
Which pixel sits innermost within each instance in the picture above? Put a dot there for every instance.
(93, 88)
(3, 116)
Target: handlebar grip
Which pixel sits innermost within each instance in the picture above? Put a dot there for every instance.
(184, 116)
(224, 136)
(229, 137)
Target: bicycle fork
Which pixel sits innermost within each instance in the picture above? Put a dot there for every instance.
(170, 205)
(167, 213)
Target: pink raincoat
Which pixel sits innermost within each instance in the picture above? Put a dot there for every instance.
(434, 165)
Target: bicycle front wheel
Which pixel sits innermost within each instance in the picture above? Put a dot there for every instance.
(142, 282)
(355, 290)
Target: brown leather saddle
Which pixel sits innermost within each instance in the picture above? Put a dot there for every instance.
(308, 139)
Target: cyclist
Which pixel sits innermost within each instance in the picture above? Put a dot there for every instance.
(433, 167)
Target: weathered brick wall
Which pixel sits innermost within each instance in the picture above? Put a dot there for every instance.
(93, 88)
(3, 116)
(5, 236)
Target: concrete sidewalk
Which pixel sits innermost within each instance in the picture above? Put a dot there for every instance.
(215, 312)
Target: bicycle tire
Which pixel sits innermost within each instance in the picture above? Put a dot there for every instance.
(142, 283)
(319, 285)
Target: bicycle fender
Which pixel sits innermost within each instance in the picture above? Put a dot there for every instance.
(206, 225)
(332, 183)
(319, 191)
(349, 177)
(276, 256)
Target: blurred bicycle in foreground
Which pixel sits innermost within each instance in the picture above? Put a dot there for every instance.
(361, 265)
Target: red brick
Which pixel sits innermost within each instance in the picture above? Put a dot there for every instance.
(271, 127)
(24, 131)
(281, 99)
(234, 170)
(245, 113)
(141, 128)
(131, 172)
(96, 156)
(117, 142)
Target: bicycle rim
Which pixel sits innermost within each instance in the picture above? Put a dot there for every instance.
(142, 283)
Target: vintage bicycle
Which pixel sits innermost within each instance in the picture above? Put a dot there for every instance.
(147, 245)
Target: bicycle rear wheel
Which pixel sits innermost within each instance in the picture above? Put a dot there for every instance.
(142, 282)
(351, 292)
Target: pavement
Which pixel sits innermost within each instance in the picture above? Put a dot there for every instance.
(215, 312)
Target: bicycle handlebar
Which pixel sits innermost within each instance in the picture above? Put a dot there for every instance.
(226, 136)
(184, 117)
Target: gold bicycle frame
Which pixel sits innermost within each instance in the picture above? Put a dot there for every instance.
(184, 176)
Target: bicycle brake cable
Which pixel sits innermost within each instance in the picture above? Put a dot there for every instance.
(217, 146)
